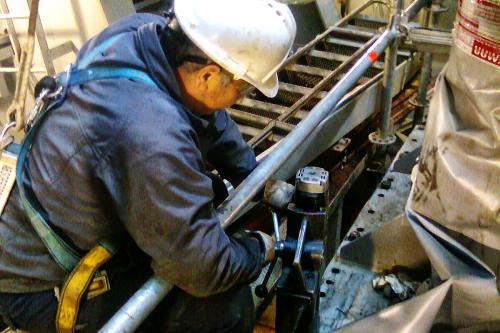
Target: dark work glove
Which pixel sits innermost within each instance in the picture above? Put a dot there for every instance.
(219, 189)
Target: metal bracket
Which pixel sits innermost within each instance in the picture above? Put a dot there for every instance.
(415, 103)
(377, 139)
(427, 40)
(436, 8)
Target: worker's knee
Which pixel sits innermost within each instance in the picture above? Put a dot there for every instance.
(31, 312)
(231, 311)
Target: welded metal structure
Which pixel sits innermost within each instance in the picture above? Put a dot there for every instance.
(328, 89)
(346, 293)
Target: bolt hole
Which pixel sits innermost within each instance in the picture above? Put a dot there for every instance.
(360, 229)
(371, 211)
(329, 281)
(390, 179)
(335, 270)
(322, 294)
(381, 195)
(414, 140)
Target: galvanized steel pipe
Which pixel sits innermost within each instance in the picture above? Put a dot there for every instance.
(138, 307)
(425, 77)
(387, 83)
(415, 7)
(391, 56)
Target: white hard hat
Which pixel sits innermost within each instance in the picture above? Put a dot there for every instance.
(249, 38)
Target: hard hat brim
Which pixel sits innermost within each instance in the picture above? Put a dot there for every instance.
(269, 88)
(234, 40)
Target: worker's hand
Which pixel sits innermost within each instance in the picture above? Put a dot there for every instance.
(269, 245)
(219, 189)
(278, 193)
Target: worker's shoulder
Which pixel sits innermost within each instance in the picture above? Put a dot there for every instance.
(154, 125)
(121, 112)
(128, 24)
(149, 111)
(134, 21)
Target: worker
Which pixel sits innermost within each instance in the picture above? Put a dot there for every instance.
(126, 155)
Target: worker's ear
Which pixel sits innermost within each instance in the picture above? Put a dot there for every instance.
(208, 76)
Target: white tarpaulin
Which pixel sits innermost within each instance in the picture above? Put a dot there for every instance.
(454, 207)
(458, 181)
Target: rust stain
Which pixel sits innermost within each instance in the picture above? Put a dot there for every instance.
(427, 168)
(427, 184)
(446, 137)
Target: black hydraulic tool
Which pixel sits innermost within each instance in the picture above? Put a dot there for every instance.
(277, 194)
(301, 253)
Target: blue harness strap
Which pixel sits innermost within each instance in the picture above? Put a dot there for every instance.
(96, 51)
(64, 254)
(99, 73)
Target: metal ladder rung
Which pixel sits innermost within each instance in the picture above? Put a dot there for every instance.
(15, 70)
(13, 16)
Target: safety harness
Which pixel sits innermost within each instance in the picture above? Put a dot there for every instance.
(84, 274)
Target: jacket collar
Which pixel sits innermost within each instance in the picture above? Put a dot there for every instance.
(162, 73)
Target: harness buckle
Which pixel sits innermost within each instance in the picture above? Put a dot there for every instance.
(5, 139)
(99, 285)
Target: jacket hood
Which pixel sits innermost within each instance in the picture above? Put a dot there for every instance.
(143, 31)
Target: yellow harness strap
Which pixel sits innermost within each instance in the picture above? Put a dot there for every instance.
(82, 276)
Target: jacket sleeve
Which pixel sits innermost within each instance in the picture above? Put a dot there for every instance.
(229, 153)
(155, 178)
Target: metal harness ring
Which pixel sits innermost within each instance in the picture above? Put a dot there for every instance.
(4, 132)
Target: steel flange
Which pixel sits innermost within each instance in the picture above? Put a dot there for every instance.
(377, 139)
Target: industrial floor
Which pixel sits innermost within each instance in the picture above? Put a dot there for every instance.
(266, 321)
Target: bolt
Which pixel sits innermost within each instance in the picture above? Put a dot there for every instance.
(353, 235)
(261, 291)
(385, 184)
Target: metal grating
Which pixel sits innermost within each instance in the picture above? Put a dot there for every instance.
(298, 84)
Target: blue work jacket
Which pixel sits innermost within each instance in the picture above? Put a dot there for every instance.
(121, 156)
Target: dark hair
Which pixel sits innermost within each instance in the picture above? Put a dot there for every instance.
(177, 46)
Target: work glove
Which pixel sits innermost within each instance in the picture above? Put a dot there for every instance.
(266, 243)
(278, 194)
(219, 189)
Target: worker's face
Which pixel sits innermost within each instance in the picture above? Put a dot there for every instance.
(208, 88)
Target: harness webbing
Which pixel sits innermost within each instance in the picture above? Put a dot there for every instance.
(64, 254)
